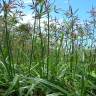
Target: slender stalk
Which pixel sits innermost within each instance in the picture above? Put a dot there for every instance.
(48, 46)
(41, 57)
(7, 43)
(32, 48)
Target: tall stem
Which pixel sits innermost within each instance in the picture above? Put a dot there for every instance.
(40, 34)
(48, 47)
(7, 44)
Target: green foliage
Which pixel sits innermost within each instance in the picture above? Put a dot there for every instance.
(46, 59)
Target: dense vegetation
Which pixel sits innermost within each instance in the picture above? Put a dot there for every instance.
(48, 57)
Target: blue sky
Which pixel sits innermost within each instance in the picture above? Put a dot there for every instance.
(83, 5)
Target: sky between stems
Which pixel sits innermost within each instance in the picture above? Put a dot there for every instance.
(83, 6)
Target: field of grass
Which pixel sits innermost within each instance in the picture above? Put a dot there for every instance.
(48, 57)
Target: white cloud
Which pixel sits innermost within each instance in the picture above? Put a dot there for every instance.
(27, 1)
(27, 19)
(66, 1)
